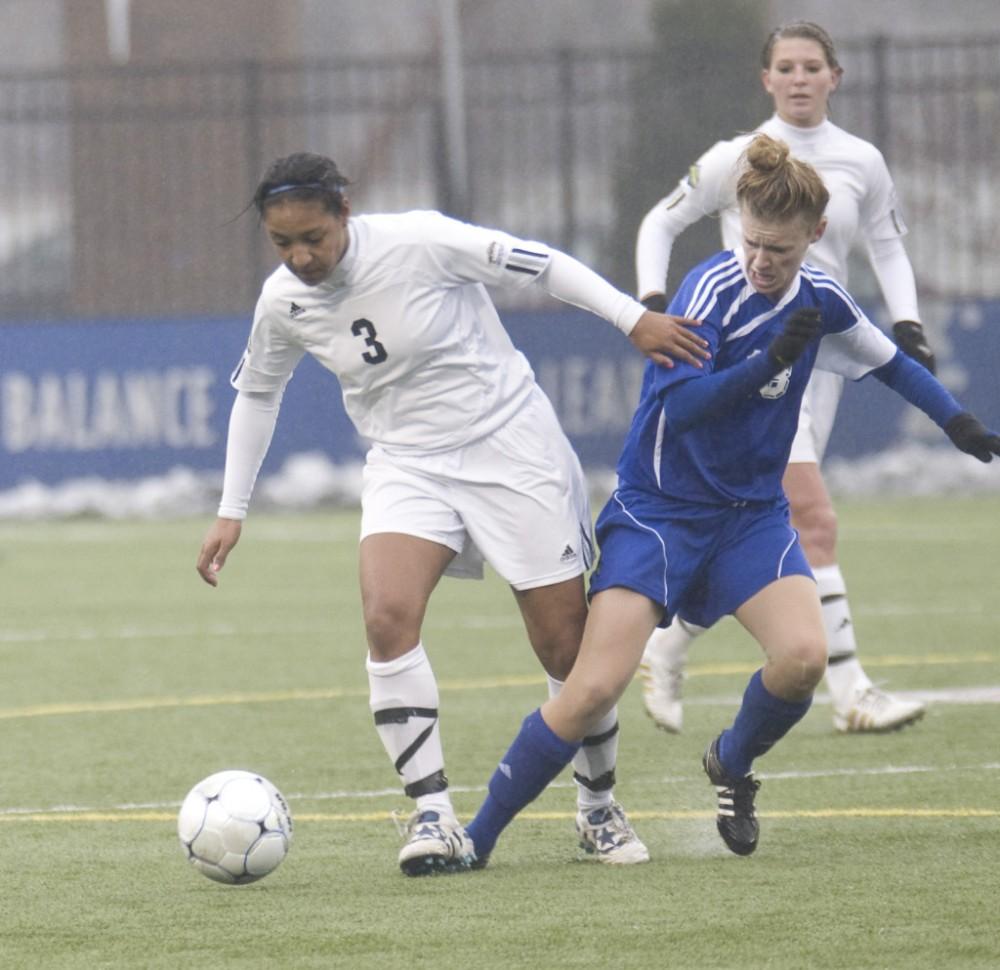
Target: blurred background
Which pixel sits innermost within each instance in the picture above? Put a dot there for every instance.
(133, 133)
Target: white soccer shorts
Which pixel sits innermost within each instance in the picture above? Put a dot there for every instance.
(816, 417)
(516, 499)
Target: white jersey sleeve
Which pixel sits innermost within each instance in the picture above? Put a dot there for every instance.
(855, 352)
(271, 355)
(455, 252)
(894, 273)
(708, 188)
(880, 215)
(569, 280)
(852, 345)
(251, 427)
(883, 229)
(466, 253)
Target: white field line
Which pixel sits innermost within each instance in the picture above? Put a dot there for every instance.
(967, 695)
(948, 695)
(142, 810)
(43, 636)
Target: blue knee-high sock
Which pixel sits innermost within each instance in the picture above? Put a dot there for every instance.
(537, 755)
(762, 720)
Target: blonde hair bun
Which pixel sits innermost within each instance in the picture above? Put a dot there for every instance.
(767, 154)
(776, 185)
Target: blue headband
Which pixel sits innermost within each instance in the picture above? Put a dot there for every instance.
(289, 187)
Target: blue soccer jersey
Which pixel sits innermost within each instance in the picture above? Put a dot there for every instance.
(739, 456)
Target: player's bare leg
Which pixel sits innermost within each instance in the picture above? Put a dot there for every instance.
(555, 617)
(786, 620)
(398, 574)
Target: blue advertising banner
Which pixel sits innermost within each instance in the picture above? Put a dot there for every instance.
(131, 399)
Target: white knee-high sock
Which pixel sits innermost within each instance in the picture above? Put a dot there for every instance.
(594, 764)
(845, 677)
(403, 697)
(669, 647)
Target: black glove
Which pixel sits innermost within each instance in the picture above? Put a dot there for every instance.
(657, 302)
(911, 340)
(970, 435)
(801, 328)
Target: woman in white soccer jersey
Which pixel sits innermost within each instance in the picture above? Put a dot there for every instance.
(699, 523)
(800, 72)
(467, 462)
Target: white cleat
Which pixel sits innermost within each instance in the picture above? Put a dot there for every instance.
(607, 835)
(874, 711)
(435, 843)
(662, 682)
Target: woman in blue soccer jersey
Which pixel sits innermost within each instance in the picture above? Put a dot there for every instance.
(467, 461)
(801, 73)
(699, 523)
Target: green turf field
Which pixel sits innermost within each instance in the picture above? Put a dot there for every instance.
(125, 680)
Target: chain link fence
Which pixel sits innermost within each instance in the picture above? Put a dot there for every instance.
(124, 192)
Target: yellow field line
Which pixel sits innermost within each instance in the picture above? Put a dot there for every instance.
(338, 693)
(242, 697)
(337, 817)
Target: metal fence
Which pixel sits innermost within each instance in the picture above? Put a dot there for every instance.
(121, 190)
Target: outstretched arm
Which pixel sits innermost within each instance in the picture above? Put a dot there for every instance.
(660, 337)
(918, 386)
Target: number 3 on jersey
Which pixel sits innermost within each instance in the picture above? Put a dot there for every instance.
(365, 328)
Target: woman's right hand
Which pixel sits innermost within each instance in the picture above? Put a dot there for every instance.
(219, 541)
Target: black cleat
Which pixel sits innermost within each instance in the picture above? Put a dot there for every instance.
(736, 820)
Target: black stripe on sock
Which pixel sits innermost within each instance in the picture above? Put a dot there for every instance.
(414, 748)
(594, 740)
(400, 715)
(427, 786)
(601, 783)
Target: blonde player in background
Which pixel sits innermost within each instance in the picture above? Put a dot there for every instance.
(467, 462)
(800, 72)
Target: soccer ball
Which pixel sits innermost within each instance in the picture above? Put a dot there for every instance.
(235, 827)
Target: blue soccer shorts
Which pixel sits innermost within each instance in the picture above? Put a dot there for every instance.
(702, 562)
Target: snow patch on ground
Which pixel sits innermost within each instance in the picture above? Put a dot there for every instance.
(311, 480)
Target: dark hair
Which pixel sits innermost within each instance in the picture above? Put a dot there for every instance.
(806, 30)
(775, 186)
(302, 176)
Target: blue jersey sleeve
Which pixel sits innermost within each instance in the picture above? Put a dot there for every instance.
(687, 404)
(920, 387)
(690, 301)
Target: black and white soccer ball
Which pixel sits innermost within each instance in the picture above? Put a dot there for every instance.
(235, 827)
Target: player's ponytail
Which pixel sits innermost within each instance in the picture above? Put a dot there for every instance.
(775, 186)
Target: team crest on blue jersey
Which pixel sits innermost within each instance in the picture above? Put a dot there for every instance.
(777, 385)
